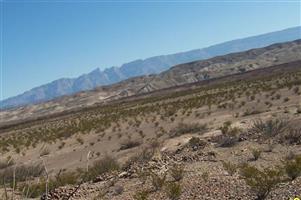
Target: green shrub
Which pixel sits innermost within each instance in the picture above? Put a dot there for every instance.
(141, 157)
(256, 154)
(269, 128)
(141, 195)
(177, 172)
(292, 168)
(158, 181)
(261, 182)
(34, 190)
(205, 176)
(104, 165)
(229, 167)
(173, 190)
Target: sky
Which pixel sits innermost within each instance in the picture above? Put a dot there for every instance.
(46, 40)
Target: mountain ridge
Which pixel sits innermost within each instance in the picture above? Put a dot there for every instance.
(152, 65)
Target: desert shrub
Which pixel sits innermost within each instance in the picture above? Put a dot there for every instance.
(129, 144)
(141, 157)
(141, 195)
(142, 175)
(187, 128)
(270, 127)
(22, 173)
(157, 180)
(227, 129)
(229, 167)
(104, 165)
(293, 136)
(227, 141)
(292, 167)
(286, 99)
(34, 190)
(290, 156)
(261, 182)
(177, 172)
(205, 176)
(256, 154)
(196, 143)
(80, 140)
(229, 135)
(173, 190)
(66, 178)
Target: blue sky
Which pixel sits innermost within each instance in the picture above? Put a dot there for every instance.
(43, 41)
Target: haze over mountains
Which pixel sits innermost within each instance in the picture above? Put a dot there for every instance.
(178, 78)
(153, 65)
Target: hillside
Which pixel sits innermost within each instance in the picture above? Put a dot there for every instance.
(232, 137)
(178, 75)
(153, 65)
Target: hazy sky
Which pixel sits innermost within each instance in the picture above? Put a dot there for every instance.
(46, 40)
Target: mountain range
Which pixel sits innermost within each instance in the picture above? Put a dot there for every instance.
(153, 65)
(181, 77)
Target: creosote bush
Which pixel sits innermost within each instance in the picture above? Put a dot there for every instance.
(261, 182)
(173, 190)
(141, 195)
(177, 172)
(292, 167)
(142, 156)
(158, 181)
(104, 165)
(36, 189)
(256, 154)
(269, 128)
(292, 136)
(229, 167)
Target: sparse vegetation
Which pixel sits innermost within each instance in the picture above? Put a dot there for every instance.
(270, 128)
(177, 172)
(261, 182)
(187, 128)
(106, 164)
(129, 144)
(256, 154)
(141, 195)
(173, 190)
(158, 181)
(293, 167)
(229, 167)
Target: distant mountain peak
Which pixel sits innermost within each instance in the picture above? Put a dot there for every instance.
(152, 65)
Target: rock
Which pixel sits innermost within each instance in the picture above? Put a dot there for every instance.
(123, 175)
